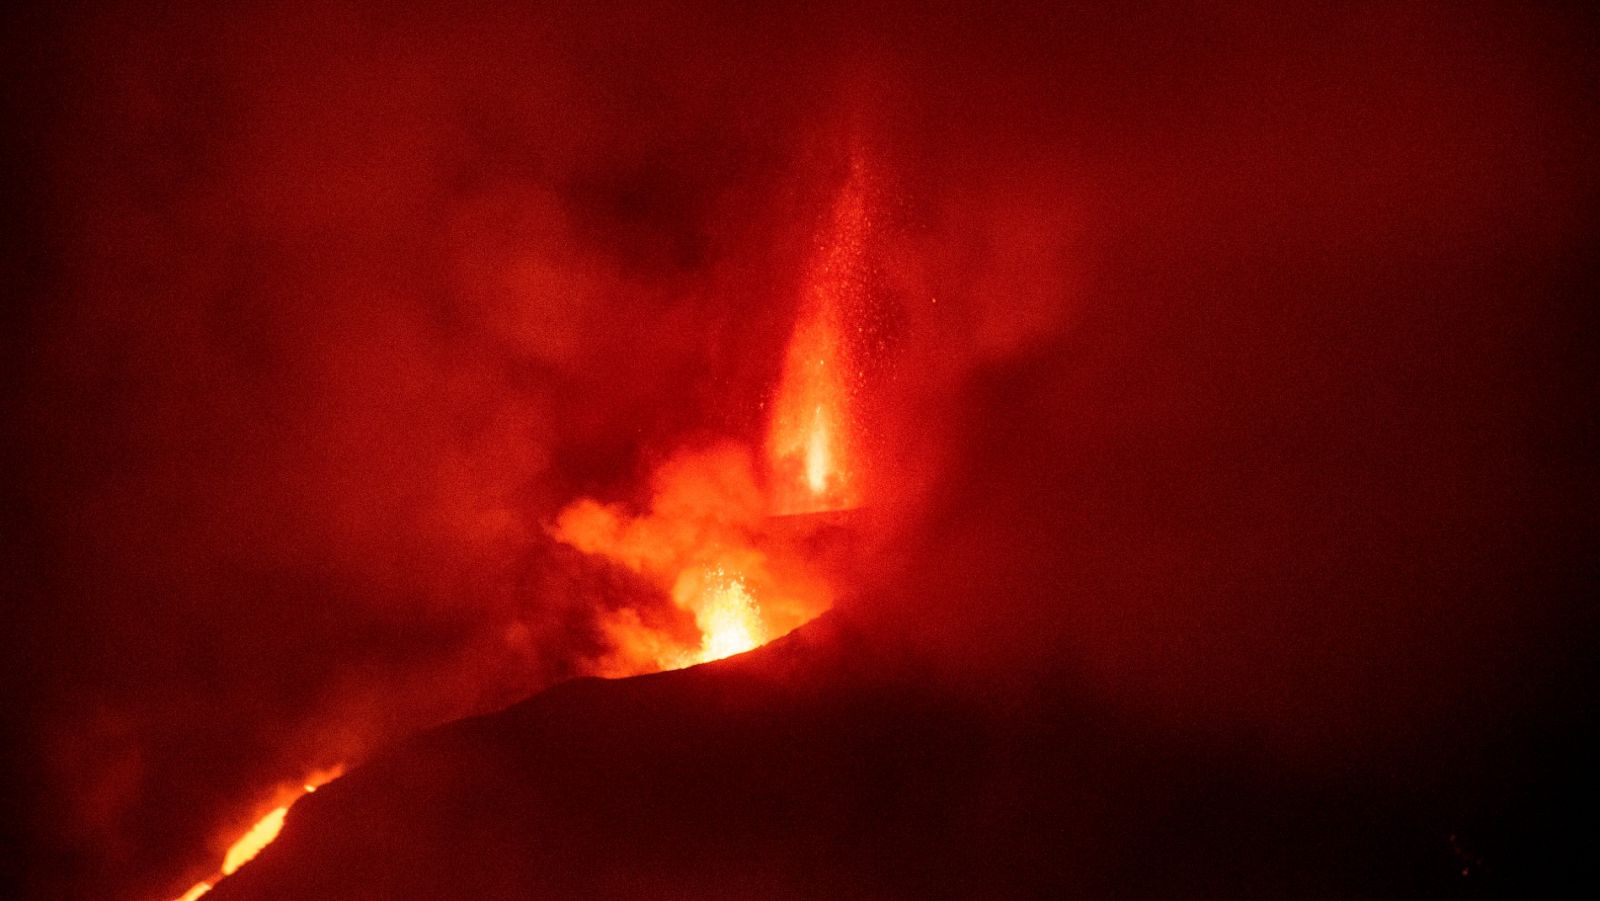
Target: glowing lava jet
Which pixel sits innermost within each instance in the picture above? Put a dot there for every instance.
(809, 450)
(727, 616)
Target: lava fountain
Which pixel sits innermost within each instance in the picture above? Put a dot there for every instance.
(809, 441)
(709, 538)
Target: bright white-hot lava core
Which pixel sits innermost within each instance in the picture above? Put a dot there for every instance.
(728, 617)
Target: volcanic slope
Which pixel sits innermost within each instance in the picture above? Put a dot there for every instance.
(826, 766)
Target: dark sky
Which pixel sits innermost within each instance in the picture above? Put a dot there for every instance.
(1232, 363)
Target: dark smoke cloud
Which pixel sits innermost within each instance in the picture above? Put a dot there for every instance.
(1231, 361)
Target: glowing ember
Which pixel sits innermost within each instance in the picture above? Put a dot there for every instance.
(262, 833)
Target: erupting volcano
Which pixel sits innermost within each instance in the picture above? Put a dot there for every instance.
(673, 449)
(707, 538)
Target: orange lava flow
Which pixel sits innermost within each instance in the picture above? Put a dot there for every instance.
(262, 834)
(250, 844)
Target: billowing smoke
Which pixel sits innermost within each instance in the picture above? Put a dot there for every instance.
(1228, 365)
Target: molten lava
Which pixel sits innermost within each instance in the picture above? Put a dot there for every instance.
(247, 846)
(704, 542)
(805, 445)
(250, 844)
(727, 616)
(808, 442)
